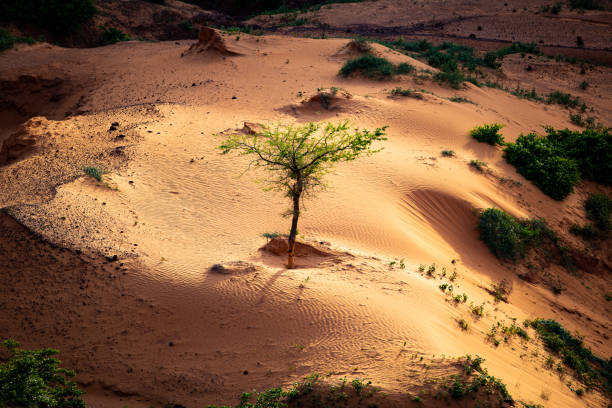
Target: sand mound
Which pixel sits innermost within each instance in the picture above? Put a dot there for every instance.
(326, 99)
(23, 142)
(233, 268)
(354, 48)
(210, 42)
(279, 246)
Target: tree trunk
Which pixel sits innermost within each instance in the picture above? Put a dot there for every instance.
(297, 192)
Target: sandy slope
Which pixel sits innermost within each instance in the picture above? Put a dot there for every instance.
(172, 206)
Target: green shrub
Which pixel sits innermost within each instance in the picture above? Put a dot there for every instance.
(488, 133)
(591, 370)
(448, 153)
(453, 78)
(586, 232)
(478, 165)
(93, 172)
(34, 379)
(599, 208)
(57, 16)
(460, 99)
(7, 41)
(112, 35)
(403, 68)
(374, 67)
(564, 99)
(406, 92)
(508, 237)
(557, 161)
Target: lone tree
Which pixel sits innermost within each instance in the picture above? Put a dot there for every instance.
(299, 156)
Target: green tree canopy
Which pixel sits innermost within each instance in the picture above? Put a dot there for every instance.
(297, 157)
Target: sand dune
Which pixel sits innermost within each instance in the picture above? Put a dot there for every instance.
(158, 325)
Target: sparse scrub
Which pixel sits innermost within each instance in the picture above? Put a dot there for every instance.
(460, 99)
(564, 99)
(463, 324)
(478, 165)
(93, 172)
(598, 208)
(406, 92)
(7, 41)
(488, 133)
(590, 369)
(587, 231)
(448, 153)
(112, 35)
(34, 379)
(373, 67)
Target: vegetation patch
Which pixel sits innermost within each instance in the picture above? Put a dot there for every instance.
(488, 133)
(598, 208)
(476, 383)
(112, 35)
(7, 41)
(590, 369)
(406, 92)
(33, 378)
(508, 237)
(556, 162)
(93, 172)
(460, 99)
(374, 67)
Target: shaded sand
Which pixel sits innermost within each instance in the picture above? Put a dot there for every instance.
(158, 325)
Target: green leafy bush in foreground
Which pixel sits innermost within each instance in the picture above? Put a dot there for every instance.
(374, 67)
(34, 379)
(508, 237)
(488, 133)
(556, 162)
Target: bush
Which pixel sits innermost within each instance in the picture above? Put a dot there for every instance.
(7, 41)
(589, 368)
(93, 172)
(564, 99)
(374, 67)
(406, 92)
(506, 236)
(488, 133)
(34, 379)
(57, 16)
(112, 35)
(599, 208)
(453, 78)
(557, 161)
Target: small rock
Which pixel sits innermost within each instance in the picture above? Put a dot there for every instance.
(171, 344)
(234, 97)
(245, 372)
